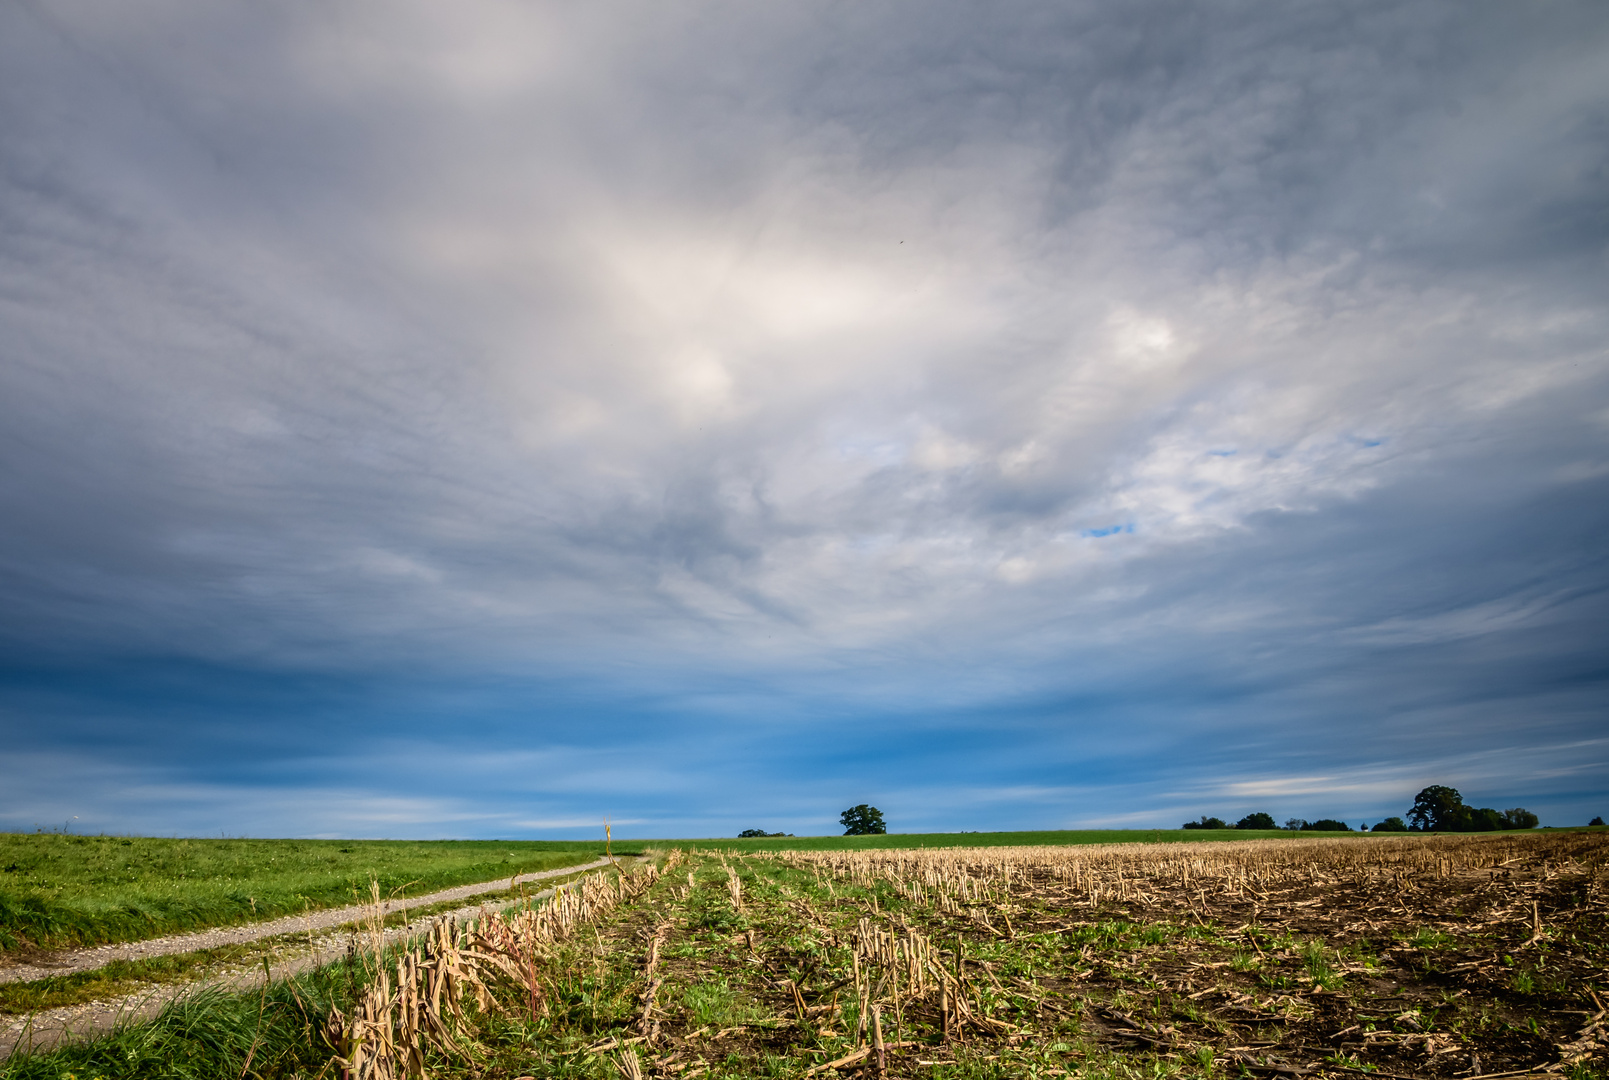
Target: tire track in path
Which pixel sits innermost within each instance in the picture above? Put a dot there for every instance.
(49, 1028)
(70, 961)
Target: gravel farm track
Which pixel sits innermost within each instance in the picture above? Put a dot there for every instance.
(313, 938)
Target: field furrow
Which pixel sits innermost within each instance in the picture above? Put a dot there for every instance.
(1431, 958)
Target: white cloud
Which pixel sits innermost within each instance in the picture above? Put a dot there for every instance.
(531, 343)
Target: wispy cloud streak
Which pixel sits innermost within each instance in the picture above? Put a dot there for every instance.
(800, 405)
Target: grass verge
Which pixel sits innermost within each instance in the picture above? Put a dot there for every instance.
(58, 891)
(121, 978)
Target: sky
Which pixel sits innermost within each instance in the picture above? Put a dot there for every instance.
(479, 420)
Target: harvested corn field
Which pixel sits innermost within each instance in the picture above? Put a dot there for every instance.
(1423, 957)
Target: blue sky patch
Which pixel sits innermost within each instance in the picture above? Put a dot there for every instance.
(480, 445)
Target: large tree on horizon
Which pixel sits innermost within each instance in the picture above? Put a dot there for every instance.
(862, 820)
(1438, 808)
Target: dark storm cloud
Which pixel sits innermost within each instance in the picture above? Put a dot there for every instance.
(1044, 414)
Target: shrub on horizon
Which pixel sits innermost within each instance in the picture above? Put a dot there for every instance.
(1391, 824)
(1206, 823)
(1256, 821)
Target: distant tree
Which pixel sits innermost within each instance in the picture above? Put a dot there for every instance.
(748, 834)
(1442, 809)
(1520, 818)
(1326, 825)
(1438, 809)
(1295, 823)
(1596, 821)
(1256, 821)
(862, 820)
(1206, 823)
(1391, 824)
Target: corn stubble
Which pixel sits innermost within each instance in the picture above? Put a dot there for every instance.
(1431, 958)
(493, 961)
(1424, 957)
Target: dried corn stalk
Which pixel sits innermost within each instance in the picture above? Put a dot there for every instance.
(395, 1025)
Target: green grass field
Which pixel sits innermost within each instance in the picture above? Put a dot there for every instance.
(58, 890)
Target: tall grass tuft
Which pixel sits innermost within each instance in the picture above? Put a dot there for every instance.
(205, 1035)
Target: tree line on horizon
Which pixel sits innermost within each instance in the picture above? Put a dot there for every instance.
(1437, 808)
(859, 820)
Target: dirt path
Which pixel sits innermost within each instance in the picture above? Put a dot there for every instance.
(68, 961)
(48, 1028)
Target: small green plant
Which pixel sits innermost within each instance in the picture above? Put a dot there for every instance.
(1425, 937)
(1275, 942)
(1316, 958)
(1559, 983)
(1360, 952)
(716, 1004)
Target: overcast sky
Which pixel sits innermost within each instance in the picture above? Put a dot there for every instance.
(477, 419)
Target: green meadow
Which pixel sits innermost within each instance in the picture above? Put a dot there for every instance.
(60, 890)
